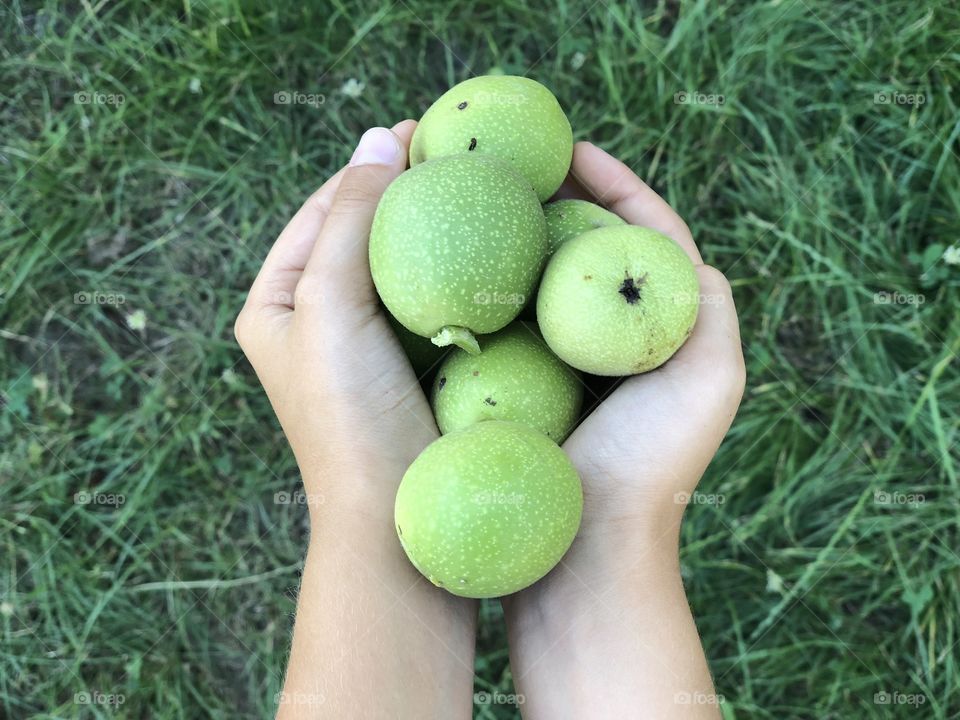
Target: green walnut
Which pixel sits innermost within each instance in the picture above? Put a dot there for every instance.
(618, 300)
(488, 510)
(567, 219)
(515, 377)
(513, 118)
(456, 248)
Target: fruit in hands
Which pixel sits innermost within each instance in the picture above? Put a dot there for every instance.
(515, 377)
(456, 248)
(567, 219)
(513, 118)
(618, 300)
(488, 510)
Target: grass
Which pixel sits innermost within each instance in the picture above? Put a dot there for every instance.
(825, 572)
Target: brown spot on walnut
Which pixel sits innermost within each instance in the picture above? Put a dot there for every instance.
(630, 289)
(473, 144)
(490, 401)
(462, 105)
(476, 373)
(588, 277)
(441, 382)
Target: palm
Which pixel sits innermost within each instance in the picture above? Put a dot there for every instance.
(651, 438)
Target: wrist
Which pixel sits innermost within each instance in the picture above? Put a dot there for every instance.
(610, 566)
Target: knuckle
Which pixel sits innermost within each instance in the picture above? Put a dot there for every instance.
(310, 292)
(738, 377)
(240, 330)
(716, 279)
(356, 191)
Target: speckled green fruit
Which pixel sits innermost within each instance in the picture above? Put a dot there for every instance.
(510, 117)
(456, 248)
(515, 377)
(423, 355)
(618, 300)
(488, 510)
(567, 219)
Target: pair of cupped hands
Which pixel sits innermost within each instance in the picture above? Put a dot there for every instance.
(356, 417)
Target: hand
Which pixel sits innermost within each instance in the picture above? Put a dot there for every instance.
(643, 450)
(356, 418)
(337, 378)
(614, 608)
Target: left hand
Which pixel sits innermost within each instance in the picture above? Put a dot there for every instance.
(339, 382)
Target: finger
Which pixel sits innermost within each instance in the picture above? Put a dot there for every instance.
(277, 279)
(338, 269)
(616, 186)
(710, 364)
(276, 282)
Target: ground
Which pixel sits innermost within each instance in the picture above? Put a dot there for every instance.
(150, 152)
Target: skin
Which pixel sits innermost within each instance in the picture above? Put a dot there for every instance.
(607, 634)
(611, 625)
(363, 611)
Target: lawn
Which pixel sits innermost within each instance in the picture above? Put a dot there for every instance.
(148, 161)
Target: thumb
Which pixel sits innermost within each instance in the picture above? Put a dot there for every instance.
(338, 270)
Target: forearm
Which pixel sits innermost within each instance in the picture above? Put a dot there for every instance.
(373, 638)
(624, 645)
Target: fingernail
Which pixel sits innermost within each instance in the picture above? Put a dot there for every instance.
(378, 146)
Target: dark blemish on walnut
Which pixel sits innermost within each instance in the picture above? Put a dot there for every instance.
(462, 105)
(473, 144)
(442, 382)
(490, 401)
(476, 373)
(588, 277)
(630, 289)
